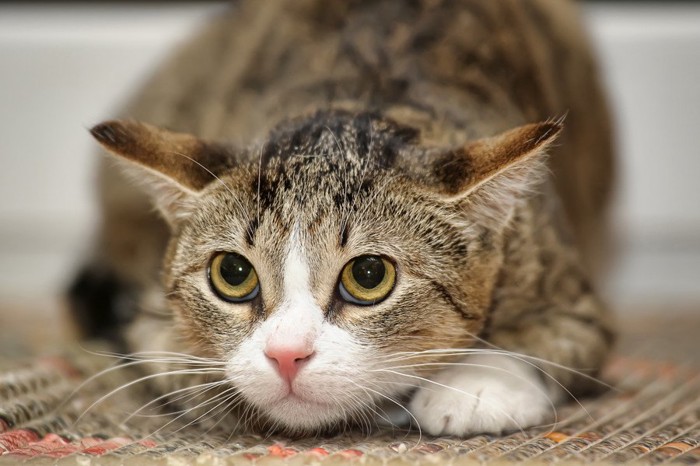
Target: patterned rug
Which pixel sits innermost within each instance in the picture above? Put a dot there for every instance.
(651, 416)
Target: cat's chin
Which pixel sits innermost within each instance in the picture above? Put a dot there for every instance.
(296, 414)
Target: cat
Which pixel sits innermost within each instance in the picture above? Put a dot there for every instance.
(364, 203)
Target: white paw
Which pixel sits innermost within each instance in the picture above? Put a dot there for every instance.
(496, 394)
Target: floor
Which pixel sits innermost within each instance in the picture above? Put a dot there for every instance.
(652, 418)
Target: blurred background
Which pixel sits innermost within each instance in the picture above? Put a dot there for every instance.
(65, 67)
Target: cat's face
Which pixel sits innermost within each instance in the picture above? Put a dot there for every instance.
(329, 269)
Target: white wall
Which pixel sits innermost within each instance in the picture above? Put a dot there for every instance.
(651, 55)
(64, 68)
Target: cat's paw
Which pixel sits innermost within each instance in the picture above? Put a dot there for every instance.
(490, 394)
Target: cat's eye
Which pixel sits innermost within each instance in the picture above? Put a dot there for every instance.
(367, 280)
(233, 278)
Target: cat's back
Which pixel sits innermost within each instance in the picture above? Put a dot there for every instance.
(455, 69)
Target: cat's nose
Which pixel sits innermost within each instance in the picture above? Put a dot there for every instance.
(288, 359)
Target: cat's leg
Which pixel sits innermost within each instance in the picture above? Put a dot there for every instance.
(100, 302)
(123, 268)
(551, 353)
(485, 393)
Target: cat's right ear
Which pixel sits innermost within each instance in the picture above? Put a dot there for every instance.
(173, 167)
(491, 175)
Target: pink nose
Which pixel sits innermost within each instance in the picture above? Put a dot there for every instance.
(289, 359)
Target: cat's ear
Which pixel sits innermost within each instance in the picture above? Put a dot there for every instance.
(173, 167)
(491, 175)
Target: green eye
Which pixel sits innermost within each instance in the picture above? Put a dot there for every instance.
(233, 278)
(367, 280)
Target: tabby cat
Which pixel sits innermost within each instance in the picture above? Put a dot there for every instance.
(354, 208)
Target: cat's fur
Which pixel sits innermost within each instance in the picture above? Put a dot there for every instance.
(397, 128)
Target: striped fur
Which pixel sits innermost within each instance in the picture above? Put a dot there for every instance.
(381, 127)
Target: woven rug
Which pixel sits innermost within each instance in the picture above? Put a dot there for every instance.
(651, 416)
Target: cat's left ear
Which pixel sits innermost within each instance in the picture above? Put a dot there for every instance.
(490, 175)
(172, 167)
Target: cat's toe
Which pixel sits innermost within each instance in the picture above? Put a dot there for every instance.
(432, 414)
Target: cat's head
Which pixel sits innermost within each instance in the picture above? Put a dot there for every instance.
(331, 266)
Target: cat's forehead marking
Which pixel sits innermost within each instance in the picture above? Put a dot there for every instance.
(339, 137)
(299, 316)
(318, 169)
(331, 145)
(296, 267)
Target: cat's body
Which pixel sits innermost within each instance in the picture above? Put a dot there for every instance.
(363, 117)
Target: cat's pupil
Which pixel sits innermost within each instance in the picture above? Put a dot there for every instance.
(369, 271)
(235, 269)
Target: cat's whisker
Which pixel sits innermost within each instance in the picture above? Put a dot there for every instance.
(193, 408)
(231, 403)
(393, 401)
(143, 379)
(405, 355)
(143, 355)
(221, 400)
(379, 411)
(240, 419)
(449, 352)
(217, 400)
(364, 412)
(407, 385)
(205, 387)
(158, 430)
(184, 398)
(198, 390)
(248, 415)
(102, 373)
(170, 361)
(361, 405)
